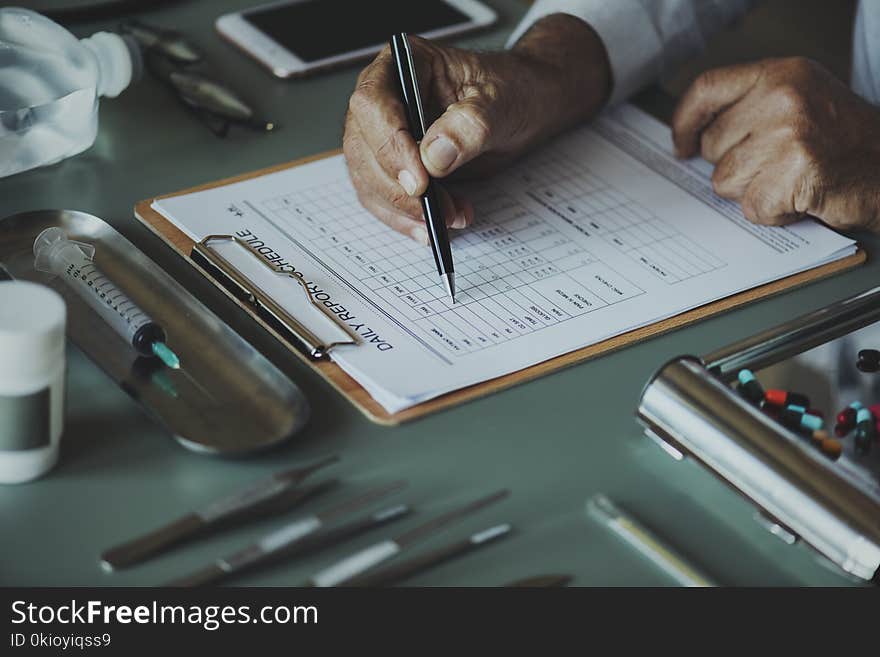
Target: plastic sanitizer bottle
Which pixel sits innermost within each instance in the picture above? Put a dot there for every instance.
(50, 83)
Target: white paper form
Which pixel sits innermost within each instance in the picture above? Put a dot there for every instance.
(598, 233)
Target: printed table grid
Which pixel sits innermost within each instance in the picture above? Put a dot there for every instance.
(516, 272)
(586, 201)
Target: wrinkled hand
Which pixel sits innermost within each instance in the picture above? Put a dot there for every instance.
(484, 110)
(787, 139)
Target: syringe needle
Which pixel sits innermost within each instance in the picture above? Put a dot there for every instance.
(163, 353)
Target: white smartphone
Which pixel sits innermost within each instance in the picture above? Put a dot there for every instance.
(297, 37)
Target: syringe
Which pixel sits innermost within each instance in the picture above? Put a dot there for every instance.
(56, 254)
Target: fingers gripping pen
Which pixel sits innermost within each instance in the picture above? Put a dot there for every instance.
(72, 261)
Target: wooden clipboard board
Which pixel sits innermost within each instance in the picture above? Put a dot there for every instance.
(356, 394)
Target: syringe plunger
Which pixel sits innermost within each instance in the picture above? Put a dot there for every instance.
(55, 254)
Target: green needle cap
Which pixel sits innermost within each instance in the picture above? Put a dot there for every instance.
(163, 353)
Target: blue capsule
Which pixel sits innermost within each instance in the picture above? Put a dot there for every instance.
(796, 418)
(866, 430)
(811, 422)
(749, 387)
(745, 376)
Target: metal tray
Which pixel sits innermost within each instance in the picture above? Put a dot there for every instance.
(691, 409)
(227, 398)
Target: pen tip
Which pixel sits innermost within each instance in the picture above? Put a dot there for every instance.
(449, 281)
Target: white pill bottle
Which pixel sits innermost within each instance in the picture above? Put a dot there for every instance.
(32, 369)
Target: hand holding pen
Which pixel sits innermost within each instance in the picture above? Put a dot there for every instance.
(482, 110)
(384, 158)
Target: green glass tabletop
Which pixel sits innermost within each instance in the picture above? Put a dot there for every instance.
(554, 442)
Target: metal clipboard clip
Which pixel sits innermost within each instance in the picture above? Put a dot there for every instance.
(269, 310)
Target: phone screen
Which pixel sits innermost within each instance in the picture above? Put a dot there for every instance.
(317, 29)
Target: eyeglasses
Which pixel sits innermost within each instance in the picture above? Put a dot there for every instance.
(173, 58)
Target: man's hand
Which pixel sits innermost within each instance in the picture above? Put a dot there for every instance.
(787, 139)
(484, 108)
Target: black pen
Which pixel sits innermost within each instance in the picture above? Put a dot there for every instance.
(412, 101)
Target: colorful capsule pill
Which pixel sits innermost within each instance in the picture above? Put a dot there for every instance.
(866, 431)
(811, 422)
(795, 418)
(846, 419)
(749, 387)
(869, 360)
(827, 445)
(808, 411)
(784, 398)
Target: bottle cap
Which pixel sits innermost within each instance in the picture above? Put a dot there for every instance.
(31, 379)
(32, 321)
(118, 64)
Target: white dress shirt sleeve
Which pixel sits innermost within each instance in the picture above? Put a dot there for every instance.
(644, 38)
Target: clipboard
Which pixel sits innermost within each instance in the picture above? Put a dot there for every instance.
(312, 351)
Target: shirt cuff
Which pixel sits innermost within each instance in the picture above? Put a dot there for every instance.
(633, 44)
